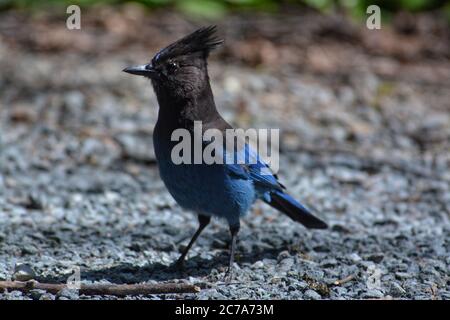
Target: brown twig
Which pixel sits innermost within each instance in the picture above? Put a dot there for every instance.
(345, 280)
(104, 289)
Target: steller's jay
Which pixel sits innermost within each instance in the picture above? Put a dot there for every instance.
(179, 76)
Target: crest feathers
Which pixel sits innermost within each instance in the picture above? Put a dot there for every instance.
(202, 40)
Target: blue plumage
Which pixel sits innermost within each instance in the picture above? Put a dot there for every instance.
(212, 190)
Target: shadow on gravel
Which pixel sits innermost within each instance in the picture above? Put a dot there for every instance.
(127, 273)
(194, 267)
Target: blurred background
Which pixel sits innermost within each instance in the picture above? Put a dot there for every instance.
(365, 134)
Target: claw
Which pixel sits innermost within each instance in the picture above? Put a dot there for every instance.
(228, 275)
(179, 264)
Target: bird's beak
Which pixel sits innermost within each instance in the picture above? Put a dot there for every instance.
(142, 70)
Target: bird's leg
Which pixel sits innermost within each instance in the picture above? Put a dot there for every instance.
(203, 222)
(234, 229)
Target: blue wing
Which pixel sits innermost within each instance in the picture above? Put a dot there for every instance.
(252, 167)
(270, 190)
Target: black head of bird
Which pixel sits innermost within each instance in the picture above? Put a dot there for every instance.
(180, 69)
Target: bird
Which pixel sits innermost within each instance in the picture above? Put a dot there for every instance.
(179, 77)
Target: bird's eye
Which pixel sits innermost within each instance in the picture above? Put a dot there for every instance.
(172, 66)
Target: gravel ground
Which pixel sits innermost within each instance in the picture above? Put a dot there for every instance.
(79, 186)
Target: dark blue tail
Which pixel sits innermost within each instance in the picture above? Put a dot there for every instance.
(297, 212)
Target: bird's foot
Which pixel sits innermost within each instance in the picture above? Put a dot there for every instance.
(178, 265)
(228, 275)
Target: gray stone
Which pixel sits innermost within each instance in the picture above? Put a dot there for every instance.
(312, 295)
(36, 294)
(66, 293)
(23, 272)
(373, 293)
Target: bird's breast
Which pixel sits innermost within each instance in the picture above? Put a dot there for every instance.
(201, 187)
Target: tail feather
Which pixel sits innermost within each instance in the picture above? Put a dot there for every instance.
(297, 212)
